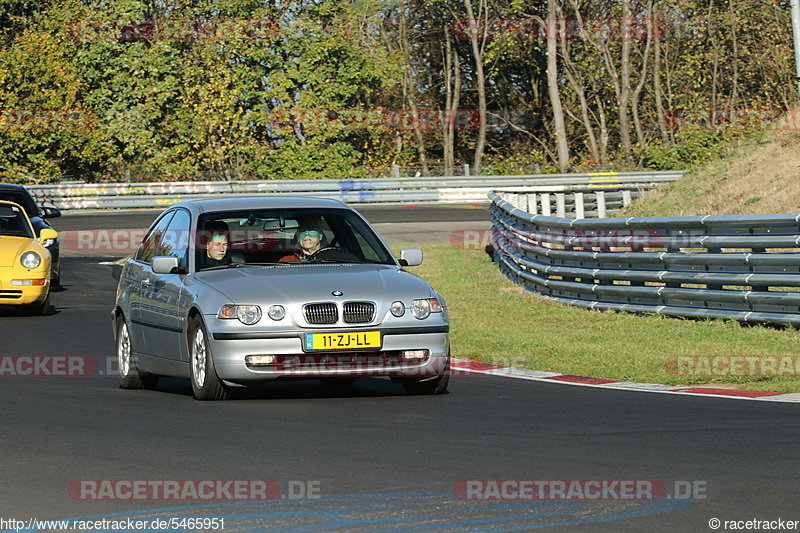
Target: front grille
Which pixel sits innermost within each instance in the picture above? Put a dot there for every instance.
(325, 313)
(359, 312)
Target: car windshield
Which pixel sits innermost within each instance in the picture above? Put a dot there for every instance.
(13, 222)
(291, 236)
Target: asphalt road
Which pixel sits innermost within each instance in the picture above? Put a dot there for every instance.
(379, 460)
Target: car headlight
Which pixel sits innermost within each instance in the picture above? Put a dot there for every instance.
(398, 309)
(276, 312)
(421, 309)
(247, 314)
(30, 260)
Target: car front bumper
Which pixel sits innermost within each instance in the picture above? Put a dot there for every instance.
(229, 352)
(14, 295)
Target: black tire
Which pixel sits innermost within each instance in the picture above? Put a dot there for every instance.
(205, 383)
(129, 377)
(39, 309)
(433, 386)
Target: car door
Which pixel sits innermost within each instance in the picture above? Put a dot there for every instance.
(164, 295)
(136, 275)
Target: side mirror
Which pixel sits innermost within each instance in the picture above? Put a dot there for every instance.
(50, 212)
(411, 257)
(165, 264)
(47, 234)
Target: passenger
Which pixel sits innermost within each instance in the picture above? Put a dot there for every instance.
(216, 248)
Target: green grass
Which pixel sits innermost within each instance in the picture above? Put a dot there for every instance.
(496, 321)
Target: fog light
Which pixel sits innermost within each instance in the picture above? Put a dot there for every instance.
(260, 360)
(414, 355)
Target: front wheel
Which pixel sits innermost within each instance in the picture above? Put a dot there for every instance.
(40, 308)
(205, 383)
(433, 386)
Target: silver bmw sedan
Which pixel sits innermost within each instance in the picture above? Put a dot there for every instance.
(236, 292)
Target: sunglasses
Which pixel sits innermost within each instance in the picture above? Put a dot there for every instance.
(310, 233)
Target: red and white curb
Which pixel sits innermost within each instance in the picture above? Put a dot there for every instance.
(476, 367)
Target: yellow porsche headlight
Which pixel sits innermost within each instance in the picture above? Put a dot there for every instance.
(30, 260)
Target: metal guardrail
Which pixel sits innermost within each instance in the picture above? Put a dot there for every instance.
(576, 201)
(729, 266)
(440, 190)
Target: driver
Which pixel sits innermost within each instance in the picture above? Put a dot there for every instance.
(309, 242)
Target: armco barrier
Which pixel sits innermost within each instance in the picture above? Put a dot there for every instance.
(745, 267)
(440, 190)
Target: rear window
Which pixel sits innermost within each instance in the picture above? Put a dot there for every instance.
(22, 198)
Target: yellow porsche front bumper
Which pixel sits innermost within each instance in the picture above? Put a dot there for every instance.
(12, 293)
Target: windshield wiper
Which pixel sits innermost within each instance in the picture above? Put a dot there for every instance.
(221, 267)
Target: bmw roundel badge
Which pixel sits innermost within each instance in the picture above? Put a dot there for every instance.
(337, 293)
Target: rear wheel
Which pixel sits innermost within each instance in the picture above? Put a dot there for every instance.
(129, 377)
(205, 383)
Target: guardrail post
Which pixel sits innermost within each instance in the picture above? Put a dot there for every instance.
(396, 171)
(601, 204)
(561, 210)
(626, 198)
(466, 169)
(545, 203)
(579, 212)
(532, 208)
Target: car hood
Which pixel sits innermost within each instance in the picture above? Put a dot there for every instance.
(313, 283)
(11, 248)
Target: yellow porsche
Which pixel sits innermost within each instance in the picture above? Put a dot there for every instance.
(24, 262)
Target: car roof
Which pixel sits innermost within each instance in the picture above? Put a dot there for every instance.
(262, 202)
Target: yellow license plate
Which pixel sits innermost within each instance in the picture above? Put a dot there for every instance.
(343, 341)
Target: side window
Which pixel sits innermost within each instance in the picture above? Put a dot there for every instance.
(175, 241)
(148, 248)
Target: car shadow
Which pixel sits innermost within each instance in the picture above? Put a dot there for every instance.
(18, 311)
(293, 389)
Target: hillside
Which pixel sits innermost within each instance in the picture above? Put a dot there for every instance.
(761, 174)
